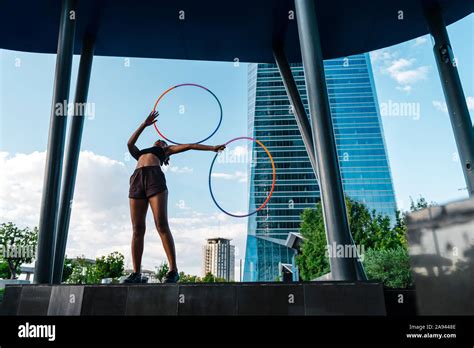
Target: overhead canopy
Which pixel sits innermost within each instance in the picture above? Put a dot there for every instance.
(217, 30)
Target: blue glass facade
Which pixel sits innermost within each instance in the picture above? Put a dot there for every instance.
(360, 144)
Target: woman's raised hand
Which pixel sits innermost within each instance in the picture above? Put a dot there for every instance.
(219, 148)
(151, 118)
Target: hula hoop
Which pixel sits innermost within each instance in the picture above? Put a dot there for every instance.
(194, 85)
(273, 180)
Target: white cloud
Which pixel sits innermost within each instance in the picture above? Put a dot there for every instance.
(100, 220)
(21, 179)
(402, 71)
(420, 40)
(381, 55)
(238, 175)
(470, 103)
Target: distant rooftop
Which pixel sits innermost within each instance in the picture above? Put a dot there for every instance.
(218, 239)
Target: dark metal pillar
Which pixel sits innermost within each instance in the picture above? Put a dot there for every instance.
(295, 99)
(72, 156)
(303, 122)
(453, 93)
(54, 158)
(332, 195)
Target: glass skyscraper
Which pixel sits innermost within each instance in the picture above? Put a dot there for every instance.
(360, 145)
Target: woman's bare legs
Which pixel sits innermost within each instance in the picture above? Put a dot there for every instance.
(138, 209)
(159, 207)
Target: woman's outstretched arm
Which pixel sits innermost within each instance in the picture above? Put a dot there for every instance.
(132, 148)
(174, 149)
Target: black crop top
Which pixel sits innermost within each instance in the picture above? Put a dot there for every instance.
(157, 151)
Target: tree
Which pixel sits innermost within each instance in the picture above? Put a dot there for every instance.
(80, 272)
(368, 229)
(17, 246)
(162, 271)
(188, 278)
(400, 228)
(389, 266)
(312, 260)
(371, 229)
(67, 269)
(5, 270)
(110, 266)
(83, 272)
(386, 257)
(210, 278)
(420, 203)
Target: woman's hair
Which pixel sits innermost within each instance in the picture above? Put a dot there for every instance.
(166, 162)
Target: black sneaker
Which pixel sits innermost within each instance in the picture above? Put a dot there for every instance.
(133, 278)
(172, 277)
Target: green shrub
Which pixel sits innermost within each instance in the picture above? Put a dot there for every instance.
(389, 266)
(1, 294)
(312, 260)
(369, 229)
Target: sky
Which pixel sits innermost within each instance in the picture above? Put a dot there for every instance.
(421, 146)
(420, 143)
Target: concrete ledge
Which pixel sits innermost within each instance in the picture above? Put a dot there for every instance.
(198, 299)
(4, 282)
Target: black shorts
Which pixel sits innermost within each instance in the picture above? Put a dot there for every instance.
(146, 182)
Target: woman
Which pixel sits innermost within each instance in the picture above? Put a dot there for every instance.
(148, 187)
